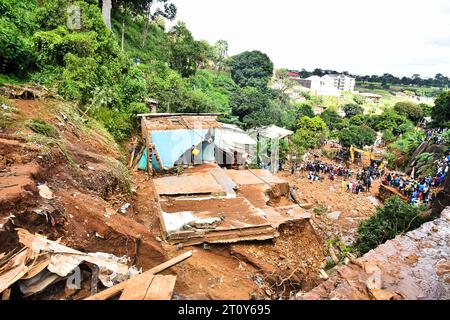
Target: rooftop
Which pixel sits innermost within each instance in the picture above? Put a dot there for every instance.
(173, 121)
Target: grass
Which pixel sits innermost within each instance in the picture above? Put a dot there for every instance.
(320, 210)
(89, 127)
(121, 171)
(46, 143)
(43, 128)
(7, 79)
(9, 115)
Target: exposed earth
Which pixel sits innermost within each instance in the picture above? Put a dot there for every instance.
(74, 187)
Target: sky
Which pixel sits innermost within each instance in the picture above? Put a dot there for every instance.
(401, 37)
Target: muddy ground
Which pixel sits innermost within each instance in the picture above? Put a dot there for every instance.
(88, 193)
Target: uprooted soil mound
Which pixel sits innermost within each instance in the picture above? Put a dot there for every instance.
(289, 264)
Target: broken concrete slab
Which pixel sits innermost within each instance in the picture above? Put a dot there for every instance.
(198, 183)
(334, 215)
(227, 184)
(239, 219)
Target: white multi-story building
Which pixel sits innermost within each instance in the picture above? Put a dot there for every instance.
(330, 84)
(342, 82)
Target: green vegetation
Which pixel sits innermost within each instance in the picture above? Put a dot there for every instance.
(320, 210)
(97, 68)
(310, 133)
(410, 110)
(441, 110)
(358, 136)
(42, 127)
(251, 69)
(394, 218)
(352, 109)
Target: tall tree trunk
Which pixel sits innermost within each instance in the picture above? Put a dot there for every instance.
(106, 12)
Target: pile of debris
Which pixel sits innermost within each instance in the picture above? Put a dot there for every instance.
(413, 266)
(42, 263)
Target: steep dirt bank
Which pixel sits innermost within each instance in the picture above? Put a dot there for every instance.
(84, 186)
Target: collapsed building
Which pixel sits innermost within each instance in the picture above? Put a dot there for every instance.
(210, 200)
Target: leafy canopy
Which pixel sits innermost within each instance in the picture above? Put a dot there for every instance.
(251, 69)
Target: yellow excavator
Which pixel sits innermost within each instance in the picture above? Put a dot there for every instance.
(371, 155)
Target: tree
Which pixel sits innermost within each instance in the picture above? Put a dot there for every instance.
(185, 53)
(303, 109)
(410, 110)
(395, 217)
(426, 109)
(358, 120)
(220, 54)
(251, 68)
(441, 110)
(331, 118)
(106, 12)
(389, 119)
(352, 110)
(311, 133)
(248, 100)
(151, 11)
(358, 136)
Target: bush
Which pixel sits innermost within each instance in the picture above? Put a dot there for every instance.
(394, 218)
(426, 109)
(358, 120)
(389, 119)
(388, 136)
(310, 133)
(16, 54)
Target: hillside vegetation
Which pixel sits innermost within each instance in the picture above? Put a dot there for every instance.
(84, 62)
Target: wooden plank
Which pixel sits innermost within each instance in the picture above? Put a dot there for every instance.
(6, 294)
(138, 157)
(14, 270)
(137, 288)
(161, 288)
(158, 159)
(133, 151)
(111, 292)
(149, 153)
(37, 268)
(162, 223)
(147, 138)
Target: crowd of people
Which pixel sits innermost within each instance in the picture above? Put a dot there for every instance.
(358, 181)
(436, 135)
(420, 190)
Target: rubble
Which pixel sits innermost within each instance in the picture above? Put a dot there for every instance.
(43, 262)
(413, 266)
(45, 192)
